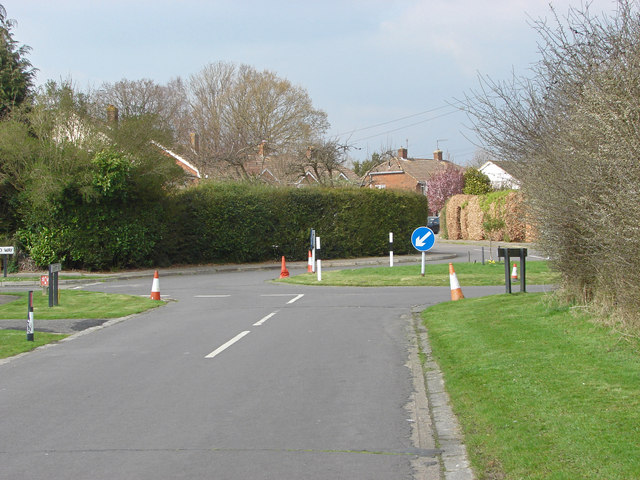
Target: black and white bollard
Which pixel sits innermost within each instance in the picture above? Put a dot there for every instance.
(318, 260)
(391, 249)
(30, 317)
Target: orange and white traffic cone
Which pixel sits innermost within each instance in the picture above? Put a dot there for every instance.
(514, 272)
(310, 263)
(284, 273)
(155, 287)
(456, 291)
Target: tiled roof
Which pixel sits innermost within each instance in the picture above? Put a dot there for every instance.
(419, 168)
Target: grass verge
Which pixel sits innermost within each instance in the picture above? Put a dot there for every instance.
(541, 392)
(436, 275)
(77, 304)
(13, 342)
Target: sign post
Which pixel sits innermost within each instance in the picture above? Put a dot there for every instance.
(54, 268)
(507, 254)
(423, 240)
(5, 252)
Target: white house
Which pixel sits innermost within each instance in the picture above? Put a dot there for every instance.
(499, 177)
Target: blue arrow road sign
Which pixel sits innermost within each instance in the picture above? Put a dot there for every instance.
(423, 239)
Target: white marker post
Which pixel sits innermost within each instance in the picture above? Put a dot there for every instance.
(30, 317)
(312, 237)
(319, 267)
(423, 260)
(391, 249)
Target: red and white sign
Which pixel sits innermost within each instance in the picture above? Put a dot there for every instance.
(44, 280)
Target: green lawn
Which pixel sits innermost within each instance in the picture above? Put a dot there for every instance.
(469, 274)
(77, 304)
(62, 276)
(13, 342)
(72, 304)
(541, 392)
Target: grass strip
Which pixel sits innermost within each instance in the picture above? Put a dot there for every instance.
(13, 342)
(36, 278)
(541, 392)
(77, 304)
(436, 275)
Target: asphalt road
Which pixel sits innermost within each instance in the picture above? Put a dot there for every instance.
(237, 378)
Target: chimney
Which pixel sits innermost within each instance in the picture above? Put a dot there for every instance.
(112, 114)
(437, 155)
(402, 153)
(261, 148)
(195, 141)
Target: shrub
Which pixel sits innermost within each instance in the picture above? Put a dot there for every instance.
(246, 223)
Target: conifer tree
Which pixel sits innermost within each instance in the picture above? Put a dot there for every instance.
(16, 73)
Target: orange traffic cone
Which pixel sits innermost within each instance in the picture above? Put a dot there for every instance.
(284, 273)
(310, 263)
(155, 287)
(456, 291)
(514, 272)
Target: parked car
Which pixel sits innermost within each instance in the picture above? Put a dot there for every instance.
(434, 224)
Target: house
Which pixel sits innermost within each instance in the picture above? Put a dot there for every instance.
(287, 170)
(193, 174)
(81, 134)
(404, 173)
(191, 170)
(499, 176)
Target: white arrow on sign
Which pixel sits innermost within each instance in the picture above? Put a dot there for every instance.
(420, 241)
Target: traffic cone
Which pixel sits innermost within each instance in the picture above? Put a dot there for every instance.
(155, 287)
(456, 291)
(514, 272)
(310, 263)
(284, 273)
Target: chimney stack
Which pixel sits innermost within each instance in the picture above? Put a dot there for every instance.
(402, 153)
(195, 141)
(112, 114)
(261, 148)
(437, 155)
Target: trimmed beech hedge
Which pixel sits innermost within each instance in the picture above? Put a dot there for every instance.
(237, 223)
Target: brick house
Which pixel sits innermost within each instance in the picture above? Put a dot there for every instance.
(404, 173)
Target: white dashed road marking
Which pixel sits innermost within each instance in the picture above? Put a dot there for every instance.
(222, 348)
(257, 324)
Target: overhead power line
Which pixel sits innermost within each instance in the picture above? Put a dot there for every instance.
(351, 132)
(404, 126)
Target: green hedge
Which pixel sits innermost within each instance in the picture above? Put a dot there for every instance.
(219, 223)
(250, 223)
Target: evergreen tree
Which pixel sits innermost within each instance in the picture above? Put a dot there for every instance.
(16, 72)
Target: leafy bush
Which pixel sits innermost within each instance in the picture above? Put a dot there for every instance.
(95, 221)
(476, 182)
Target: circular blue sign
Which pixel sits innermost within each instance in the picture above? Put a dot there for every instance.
(423, 239)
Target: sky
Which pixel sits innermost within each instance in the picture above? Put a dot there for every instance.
(388, 73)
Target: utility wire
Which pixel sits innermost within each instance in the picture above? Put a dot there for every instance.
(351, 132)
(404, 126)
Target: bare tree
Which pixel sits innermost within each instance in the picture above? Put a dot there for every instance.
(324, 159)
(168, 104)
(237, 108)
(572, 131)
